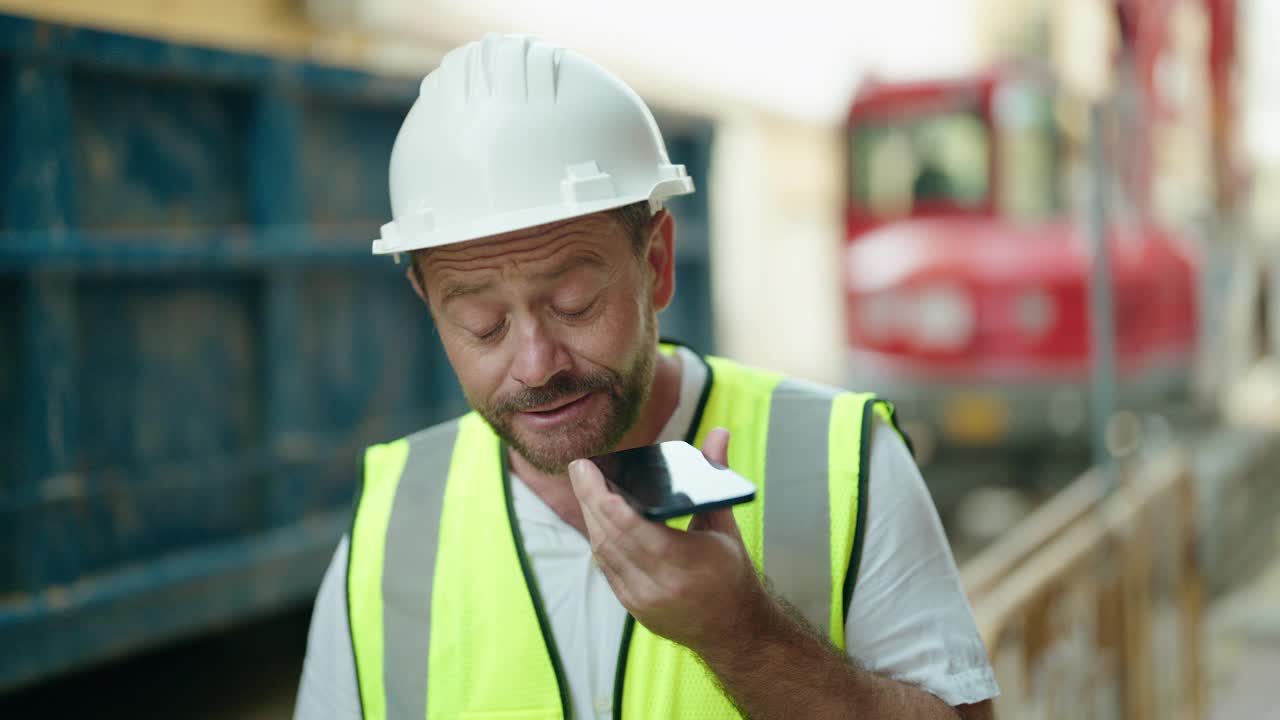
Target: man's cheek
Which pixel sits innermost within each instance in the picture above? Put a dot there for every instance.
(478, 384)
(610, 340)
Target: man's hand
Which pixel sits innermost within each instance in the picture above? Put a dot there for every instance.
(697, 588)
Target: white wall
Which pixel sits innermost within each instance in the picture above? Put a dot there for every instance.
(777, 188)
(799, 59)
(1260, 99)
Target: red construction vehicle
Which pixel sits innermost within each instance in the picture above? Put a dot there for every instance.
(966, 272)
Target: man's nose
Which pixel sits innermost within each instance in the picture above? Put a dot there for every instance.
(539, 355)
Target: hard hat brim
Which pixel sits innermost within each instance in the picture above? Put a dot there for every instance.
(416, 232)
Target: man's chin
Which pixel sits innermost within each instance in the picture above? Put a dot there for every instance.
(553, 454)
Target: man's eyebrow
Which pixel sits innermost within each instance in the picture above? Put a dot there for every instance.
(453, 292)
(570, 265)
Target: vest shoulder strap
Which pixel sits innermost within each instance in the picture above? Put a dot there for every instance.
(396, 526)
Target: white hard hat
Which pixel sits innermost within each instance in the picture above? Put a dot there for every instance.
(512, 132)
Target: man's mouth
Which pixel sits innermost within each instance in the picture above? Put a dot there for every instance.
(555, 406)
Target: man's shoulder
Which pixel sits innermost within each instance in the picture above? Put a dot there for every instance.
(786, 395)
(762, 379)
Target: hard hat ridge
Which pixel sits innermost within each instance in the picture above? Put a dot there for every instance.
(507, 67)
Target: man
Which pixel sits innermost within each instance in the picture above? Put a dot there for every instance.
(491, 574)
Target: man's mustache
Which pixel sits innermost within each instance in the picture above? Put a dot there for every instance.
(558, 388)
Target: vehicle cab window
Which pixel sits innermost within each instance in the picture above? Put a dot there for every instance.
(918, 162)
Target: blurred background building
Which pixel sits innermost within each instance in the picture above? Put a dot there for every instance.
(900, 197)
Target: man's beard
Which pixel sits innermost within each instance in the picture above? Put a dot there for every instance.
(625, 393)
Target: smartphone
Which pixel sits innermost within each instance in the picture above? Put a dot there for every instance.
(672, 479)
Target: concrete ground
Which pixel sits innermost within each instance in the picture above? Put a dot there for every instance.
(1243, 646)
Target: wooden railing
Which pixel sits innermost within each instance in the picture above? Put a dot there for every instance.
(1092, 607)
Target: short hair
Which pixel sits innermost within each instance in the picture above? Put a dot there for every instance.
(633, 218)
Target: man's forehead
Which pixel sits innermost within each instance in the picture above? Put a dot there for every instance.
(551, 243)
(544, 255)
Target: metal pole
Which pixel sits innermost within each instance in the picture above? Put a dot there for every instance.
(1101, 317)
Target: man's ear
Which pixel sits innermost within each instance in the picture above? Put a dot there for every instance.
(415, 280)
(661, 258)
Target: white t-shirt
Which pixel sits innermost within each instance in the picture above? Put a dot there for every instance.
(908, 619)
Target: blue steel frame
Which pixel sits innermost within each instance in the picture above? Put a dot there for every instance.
(194, 340)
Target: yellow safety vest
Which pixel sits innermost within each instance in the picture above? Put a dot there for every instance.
(441, 596)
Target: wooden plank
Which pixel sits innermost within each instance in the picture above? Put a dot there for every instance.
(1070, 623)
(1135, 552)
(1191, 589)
(1042, 526)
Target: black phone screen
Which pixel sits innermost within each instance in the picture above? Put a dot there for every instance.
(672, 479)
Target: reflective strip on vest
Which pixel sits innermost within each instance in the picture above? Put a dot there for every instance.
(793, 509)
(396, 686)
(435, 507)
(406, 657)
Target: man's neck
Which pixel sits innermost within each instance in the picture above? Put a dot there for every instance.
(555, 490)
